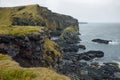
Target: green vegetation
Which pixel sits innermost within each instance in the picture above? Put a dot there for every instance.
(15, 74)
(26, 12)
(51, 46)
(70, 35)
(69, 30)
(10, 70)
(20, 30)
(51, 52)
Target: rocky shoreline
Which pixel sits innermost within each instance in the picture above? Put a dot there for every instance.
(76, 65)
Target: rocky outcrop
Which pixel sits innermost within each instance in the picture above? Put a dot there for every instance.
(32, 50)
(91, 55)
(73, 48)
(83, 56)
(101, 41)
(94, 71)
(69, 35)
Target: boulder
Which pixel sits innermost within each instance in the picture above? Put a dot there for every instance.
(90, 55)
(101, 41)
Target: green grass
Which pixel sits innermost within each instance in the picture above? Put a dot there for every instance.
(7, 13)
(10, 70)
(20, 30)
(69, 29)
(52, 46)
(15, 74)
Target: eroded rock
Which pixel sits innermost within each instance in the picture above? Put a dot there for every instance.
(31, 50)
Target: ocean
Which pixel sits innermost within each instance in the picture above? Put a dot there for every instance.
(107, 31)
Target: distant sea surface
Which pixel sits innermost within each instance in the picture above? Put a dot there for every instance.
(107, 31)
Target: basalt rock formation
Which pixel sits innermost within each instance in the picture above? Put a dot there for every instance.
(32, 50)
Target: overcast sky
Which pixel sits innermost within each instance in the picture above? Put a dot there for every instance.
(84, 10)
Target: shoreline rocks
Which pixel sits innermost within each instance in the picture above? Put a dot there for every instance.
(84, 71)
(101, 41)
(83, 56)
(73, 48)
(91, 55)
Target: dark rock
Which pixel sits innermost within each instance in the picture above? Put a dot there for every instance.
(35, 37)
(28, 50)
(70, 35)
(82, 56)
(82, 47)
(83, 71)
(90, 55)
(101, 41)
(71, 49)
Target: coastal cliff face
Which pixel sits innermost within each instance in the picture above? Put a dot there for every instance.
(22, 38)
(31, 50)
(25, 35)
(35, 15)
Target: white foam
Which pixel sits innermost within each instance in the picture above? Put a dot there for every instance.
(114, 43)
(117, 62)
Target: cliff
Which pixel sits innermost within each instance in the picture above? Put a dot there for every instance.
(25, 33)
(31, 47)
(35, 15)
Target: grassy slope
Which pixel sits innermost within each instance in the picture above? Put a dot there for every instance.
(20, 30)
(10, 70)
(35, 14)
(7, 13)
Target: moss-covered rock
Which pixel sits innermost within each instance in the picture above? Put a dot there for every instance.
(70, 35)
(29, 44)
(52, 52)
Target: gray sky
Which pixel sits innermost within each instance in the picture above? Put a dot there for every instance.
(84, 10)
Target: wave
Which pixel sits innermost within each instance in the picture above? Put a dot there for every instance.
(114, 43)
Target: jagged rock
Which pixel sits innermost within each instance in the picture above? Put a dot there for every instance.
(31, 50)
(69, 35)
(84, 71)
(91, 55)
(101, 41)
(82, 47)
(72, 48)
(83, 56)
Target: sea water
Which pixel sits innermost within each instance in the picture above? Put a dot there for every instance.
(106, 31)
